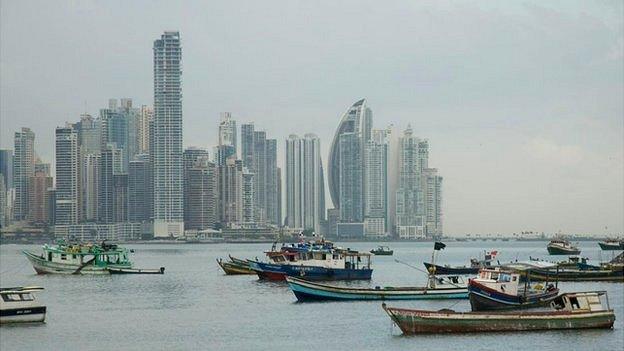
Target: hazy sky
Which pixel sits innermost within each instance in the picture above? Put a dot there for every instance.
(522, 102)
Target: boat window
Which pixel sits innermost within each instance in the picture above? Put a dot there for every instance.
(11, 297)
(74, 257)
(494, 276)
(49, 256)
(324, 256)
(513, 279)
(335, 257)
(574, 302)
(27, 297)
(63, 256)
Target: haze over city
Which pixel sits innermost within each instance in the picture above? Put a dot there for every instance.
(522, 104)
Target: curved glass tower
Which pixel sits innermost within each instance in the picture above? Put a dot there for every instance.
(346, 161)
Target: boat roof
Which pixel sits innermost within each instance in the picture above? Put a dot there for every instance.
(20, 289)
(527, 265)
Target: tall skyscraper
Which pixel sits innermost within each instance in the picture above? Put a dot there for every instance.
(305, 200)
(120, 197)
(106, 186)
(146, 116)
(236, 203)
(273, 184)
(433, 202)
(227, 131)
(140, 189)
(247, 145)
(375, 184)
(68, 172)
(23, 169)
(90, 135)
(346, 167)
(89, 186)
(167, 166)
(410, 208)
(6, 167)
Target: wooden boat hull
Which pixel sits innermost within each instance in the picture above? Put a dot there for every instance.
(23, 315)
(307, 291)
(442, 270)
(556, 250)
(41, 266)
(279, 272)
(577, 275)
(444, 321)
(232, 268)
(161, 270)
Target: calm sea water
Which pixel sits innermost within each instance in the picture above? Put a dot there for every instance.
(195, 306)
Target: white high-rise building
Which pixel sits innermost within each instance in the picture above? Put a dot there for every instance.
(168, 168)
(146, 116)
(68, 176)
(305, 198)
(375, 184)
(227, 130)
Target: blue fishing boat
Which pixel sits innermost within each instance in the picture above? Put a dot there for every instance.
(437, 288)
(314, 264)
(499, 288)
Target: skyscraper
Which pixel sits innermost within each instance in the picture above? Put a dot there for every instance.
(236, 203)
(247, 145)
(410, 208)
(106, 186)
(167, 166)
(89, 186)
(146, 116)
(6, 167)
(346, 162)
(68, 195)
(305, 200)
(140, 189)
(433, 202)
(23, 169)
(273, 184)
(227, 131)
(200, 195)
(40, 182)
(375, 184)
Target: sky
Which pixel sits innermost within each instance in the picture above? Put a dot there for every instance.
(522, 101)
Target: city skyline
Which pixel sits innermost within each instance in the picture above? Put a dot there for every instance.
(513, 166)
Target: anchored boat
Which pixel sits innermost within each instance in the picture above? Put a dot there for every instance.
(562, 247)
(18, 305)
(314, 263)
(80, 258)
(382, 251)
(581, 310)
(475, 265)
(235, 267)
(499, 288)
(612, 245)
(437, 288)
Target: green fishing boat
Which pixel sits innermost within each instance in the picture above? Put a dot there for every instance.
(82, 258)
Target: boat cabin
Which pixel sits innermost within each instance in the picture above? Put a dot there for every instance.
(593, 301)
(500, 280)
(80, 254)
(338, 259)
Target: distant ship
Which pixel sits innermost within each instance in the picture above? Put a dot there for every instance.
(562, 247)
(612, 244)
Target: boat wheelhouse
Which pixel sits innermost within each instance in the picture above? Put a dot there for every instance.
(18, 305)
(501, 288)
(612, 245)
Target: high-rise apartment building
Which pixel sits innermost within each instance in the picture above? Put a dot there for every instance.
(305, 199)
(6, 167)
(23, 170)
(375, 184)
(200, 195)
(272, 185)
(40, 182)
(227, 131)
(167, 151)
(68, 175)
(346, 166)
(140, 189)
(89, 185)
(145, 117)
(236, 194)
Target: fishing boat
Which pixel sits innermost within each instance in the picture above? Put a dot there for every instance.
(314, 264)
(606, 272)
(581, 310)
(475, 266)
(382, 251)
(611, 245)
(437, 288)
(18, 305)
(81, 258)
(499, 288)
(235, 267)
(562, 247)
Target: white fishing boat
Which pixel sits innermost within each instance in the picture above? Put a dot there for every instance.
(18, 305)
